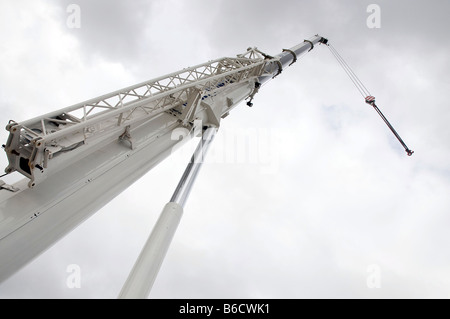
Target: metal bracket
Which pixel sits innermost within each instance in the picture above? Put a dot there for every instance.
(252, 95)
(312, 44)
(323, 41)
(8, 187)
(280, 68)
(269, 57)
(293, 54)
(193, 100)
(126, 136)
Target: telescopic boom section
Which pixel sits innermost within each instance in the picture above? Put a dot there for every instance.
(77, 159)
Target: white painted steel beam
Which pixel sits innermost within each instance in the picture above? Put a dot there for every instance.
(78, 158)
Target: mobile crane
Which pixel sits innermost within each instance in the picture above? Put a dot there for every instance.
(76, 159)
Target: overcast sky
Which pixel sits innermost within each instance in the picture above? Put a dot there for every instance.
(322, 202)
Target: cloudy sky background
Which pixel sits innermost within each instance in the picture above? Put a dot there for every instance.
(321, 195)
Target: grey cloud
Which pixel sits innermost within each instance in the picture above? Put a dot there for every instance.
(111, 29)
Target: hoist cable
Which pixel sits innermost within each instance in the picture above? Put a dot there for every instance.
(349, 71)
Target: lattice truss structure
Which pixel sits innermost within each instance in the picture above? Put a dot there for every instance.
(33, 144)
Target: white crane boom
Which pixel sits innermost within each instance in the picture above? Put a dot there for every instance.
(77, 159)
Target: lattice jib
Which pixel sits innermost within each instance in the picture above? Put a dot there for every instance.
(33, 143)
